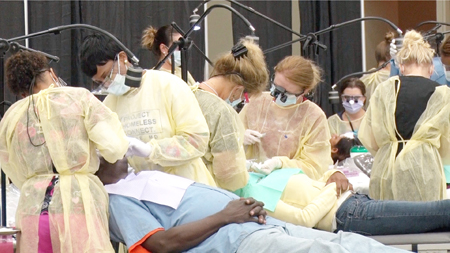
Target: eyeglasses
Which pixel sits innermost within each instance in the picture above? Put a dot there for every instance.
(354, 98)
(106, 81)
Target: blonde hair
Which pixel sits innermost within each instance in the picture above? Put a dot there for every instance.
(445, 47)
(148, 37)
(415, 50)
(252, 67)
(152, 38)
(299, 71)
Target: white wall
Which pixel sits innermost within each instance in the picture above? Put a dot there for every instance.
(219, 33)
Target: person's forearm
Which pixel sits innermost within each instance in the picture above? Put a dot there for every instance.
(186, 236)
(184, 148)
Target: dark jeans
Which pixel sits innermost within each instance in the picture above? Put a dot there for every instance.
(363, 215)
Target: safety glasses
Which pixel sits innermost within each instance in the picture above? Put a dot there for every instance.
(348, 98)
(106, 81)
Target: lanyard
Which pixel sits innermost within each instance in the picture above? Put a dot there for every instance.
(349, 121)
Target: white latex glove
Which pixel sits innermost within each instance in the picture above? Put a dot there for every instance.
(137, 147)
(269, 165)
(395, 47)
(252, 137)
(248, 165)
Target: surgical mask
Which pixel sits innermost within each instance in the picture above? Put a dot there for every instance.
(352, 107)
(235, 102)
(177, 58)
(290, 100)
(447, 76)
(117, 86)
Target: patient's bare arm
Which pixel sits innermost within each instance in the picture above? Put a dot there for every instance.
(110, 173)
(186, 236)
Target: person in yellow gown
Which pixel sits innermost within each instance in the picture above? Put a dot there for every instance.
(382, 55)
(283, 129)
(230, 79)
(162, 111)
(352, 96)
(159, 41)
(48, 142)
(406, 129)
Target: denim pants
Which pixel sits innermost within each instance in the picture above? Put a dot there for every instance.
(363, 215)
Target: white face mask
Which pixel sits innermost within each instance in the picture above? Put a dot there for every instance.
(235, 102)
(352, 107)
(117, 86)
(177, 58)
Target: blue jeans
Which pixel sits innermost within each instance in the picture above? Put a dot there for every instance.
(363, 215)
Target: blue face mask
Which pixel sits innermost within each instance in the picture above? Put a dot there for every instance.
(235, 102)
(447, 75)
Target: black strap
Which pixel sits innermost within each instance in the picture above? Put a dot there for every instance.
(54, 169)
(350, 122)
(48, 195)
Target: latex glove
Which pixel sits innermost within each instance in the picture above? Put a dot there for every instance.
(248, 165)
(394, 47)
(252, 137)
(137, 147)
(253, 166)
(269, 165)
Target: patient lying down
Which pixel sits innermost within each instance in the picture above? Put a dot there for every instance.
(167, 213)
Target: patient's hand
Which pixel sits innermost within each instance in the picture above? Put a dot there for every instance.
(342, 183)
(244, 210)
(111, 173)
(258, 210)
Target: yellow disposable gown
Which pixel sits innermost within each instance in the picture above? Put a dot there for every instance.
(298, 134)
(177, 72)
(74, 124)
(338, 126)
(225, 156)
(163, 112)
(417, 173)
(371, 82)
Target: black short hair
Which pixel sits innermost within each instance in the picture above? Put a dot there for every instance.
(97, 49)
(21, 68)
(344, 146)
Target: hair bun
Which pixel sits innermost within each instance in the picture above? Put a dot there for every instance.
(389, 37)
(415, 50)
(413, 38)
(148, 37)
